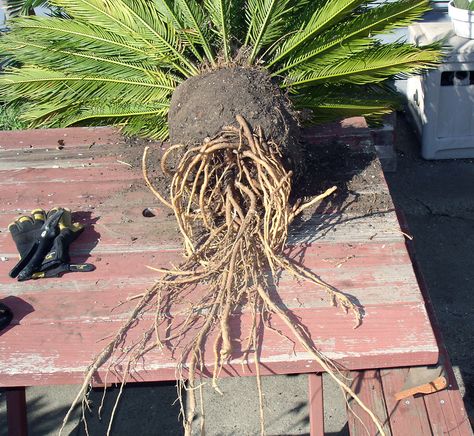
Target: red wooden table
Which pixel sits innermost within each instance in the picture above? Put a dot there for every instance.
(58, 322)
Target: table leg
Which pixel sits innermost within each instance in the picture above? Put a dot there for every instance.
(16, 412)
(316, 405)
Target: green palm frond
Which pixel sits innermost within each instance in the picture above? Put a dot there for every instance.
(152, 126)
(23, 7)
(336, 53)
(27, 51)
(337, 110)
(10, 117)
(137, 19)
(331, 12)
(169, 14)
(219, 14)
(368, 66)
(36, 83)
(194, 18)
(133, 117)
(355, 32)
(266, 23)
(118, 17)
(330, 103)
(47, 114)
(120, 111)
(77, 35)
(119, 61)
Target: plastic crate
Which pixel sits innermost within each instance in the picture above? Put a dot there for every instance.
(441, 101)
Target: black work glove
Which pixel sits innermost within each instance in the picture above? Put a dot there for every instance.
(59, 253)
(26, 230)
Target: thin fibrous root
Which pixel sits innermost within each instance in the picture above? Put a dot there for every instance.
(230, 197)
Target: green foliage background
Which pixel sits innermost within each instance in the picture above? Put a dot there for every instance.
(118, 61)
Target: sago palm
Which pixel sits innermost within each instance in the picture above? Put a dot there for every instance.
(119, 61)
(172, 66)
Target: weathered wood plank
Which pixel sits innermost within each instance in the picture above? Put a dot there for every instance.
(367, 385)
(98, 171)
(129, 221)
(316, 404)
(53, 295)
(73, 136)
(407, 417)
(120, 273)
(338, 256)
(357, 269)
(77, 195)
(16, 412)
(446, 411)
(347, 228)
(63, 347)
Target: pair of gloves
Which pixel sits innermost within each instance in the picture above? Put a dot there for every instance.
(43, 241)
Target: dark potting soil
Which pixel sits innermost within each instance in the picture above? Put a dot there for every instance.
(355, 173)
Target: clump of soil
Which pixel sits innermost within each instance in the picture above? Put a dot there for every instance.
(202, 105)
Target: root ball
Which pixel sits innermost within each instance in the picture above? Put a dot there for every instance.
(202, 105)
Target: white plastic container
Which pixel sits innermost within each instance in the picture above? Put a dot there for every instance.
(441, 101)
(463, 21)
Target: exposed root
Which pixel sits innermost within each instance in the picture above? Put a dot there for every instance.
(230, 197)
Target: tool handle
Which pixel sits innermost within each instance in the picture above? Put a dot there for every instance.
(436, 385)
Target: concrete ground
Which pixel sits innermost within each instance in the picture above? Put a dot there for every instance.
(438, 201)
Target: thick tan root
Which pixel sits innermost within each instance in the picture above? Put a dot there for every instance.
(230, 197)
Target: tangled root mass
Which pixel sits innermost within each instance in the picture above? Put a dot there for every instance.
(230, 199)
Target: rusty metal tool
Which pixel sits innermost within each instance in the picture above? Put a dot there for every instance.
(424, 380)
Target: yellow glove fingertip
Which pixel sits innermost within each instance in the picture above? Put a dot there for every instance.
(38, 214)
(76, 227)
(38, 275)
(66, 219)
